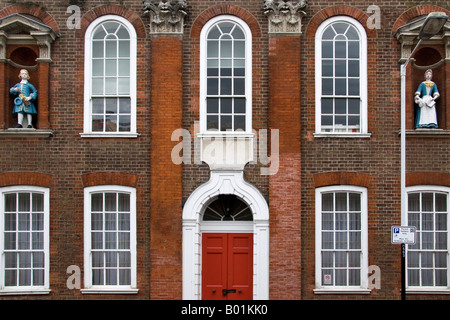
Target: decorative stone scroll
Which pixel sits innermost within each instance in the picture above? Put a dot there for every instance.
(285, 16)
(166, 17)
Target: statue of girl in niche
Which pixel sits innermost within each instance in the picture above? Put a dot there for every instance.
(425, 97)
(23, 104)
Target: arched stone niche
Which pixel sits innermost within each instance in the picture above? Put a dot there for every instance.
(25, 43)
(433, 53)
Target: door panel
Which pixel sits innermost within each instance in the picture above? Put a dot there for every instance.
(240, 266)
(214, 261)
(227, 266)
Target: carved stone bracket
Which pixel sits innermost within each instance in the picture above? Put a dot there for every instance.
(166, 17)
(285, 16)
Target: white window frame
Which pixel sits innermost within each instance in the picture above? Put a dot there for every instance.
(429, 289)
(248, 77)
(88, 133)
(363, 287)
(108, 289)
(45, 288)
(363, 79)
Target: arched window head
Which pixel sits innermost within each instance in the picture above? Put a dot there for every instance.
(110, 73)
(225, 75)
(341, 77)
(228, 208)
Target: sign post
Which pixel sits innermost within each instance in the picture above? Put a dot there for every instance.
(403, 236)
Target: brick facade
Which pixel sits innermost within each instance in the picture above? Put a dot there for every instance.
(168, 91)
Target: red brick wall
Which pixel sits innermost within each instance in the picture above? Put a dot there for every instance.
(168, 93)
(166, 184)
(285, 185)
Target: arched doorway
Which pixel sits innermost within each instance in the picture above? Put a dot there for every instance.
(230, 210)
(227, 254)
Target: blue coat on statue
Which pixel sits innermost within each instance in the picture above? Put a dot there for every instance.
(26, 90)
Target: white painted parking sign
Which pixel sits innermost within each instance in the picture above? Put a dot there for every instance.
(406, 235)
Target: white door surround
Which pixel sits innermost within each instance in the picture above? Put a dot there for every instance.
(225, 182)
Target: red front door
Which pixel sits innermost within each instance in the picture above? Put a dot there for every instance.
(227, 266)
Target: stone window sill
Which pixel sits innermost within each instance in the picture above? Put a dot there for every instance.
(428, 133)
(26, 133)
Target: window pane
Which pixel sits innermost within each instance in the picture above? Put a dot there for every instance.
(353, 68)
(97, 86)
(341, 49)
(353, 87)
(239, 86)
(111, 68)
(327, 49)
(212, 105)
(441, 202)
(327, 221)
(427, 202)
(353, 49)
(97, 67)
(212, 49)
(239, 49)
(341, 68)
(239, 105)
(97, 49)
(99, 33)
(214, 33)
(239, 68)
(124, 123)
(212, 86)
(226, 105)
(124, 105)
(124, 86)
(354, 106)
(124, 202)
(124, 49)
(122, 33)
(111, 86)
(239, 123)
(341, 86)
(225, 49)
(97, 123)
(327, 68)
(225, 86)
(110, 201)
(24, 202)
(110, 48)
(212, 122)
(327, 86)
(124, 67)
(327, 106)
(341, 106)
(10, 202)
(226, 123)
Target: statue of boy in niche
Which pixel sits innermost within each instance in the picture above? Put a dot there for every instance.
(425, 97)
(23, 104)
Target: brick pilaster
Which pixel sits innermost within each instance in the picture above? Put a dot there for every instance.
(285, 185)
(166, 177)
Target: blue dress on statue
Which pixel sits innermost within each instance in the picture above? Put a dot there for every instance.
(26, 90)
(426, 112)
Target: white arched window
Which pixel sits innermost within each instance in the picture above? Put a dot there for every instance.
(225, 76)
(341, 77)
(110, 78)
